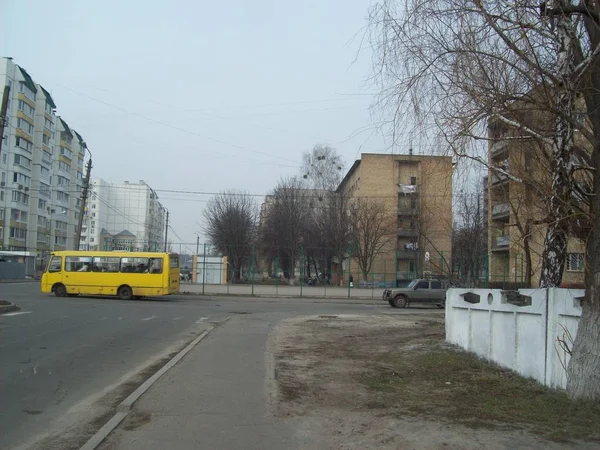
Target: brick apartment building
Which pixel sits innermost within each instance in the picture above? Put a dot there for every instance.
(417, 192)
(514, 207)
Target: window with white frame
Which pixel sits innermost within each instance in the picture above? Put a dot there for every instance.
(24, 144)
(24, 89)
(22, 179)
(22, 161)
(45, 139)
(48, 123)
(60, 226)
(18, 215)
(64, 166)
(25, 126)
(575, 262)
(42, 204)
(62, 196)
(18, 234)
(28, 110)
(62, 181)
(20, 197)
(66, 152)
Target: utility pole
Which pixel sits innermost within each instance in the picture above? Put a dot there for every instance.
(197, 244)
(166, 231)
(3, 118)
(84, 196)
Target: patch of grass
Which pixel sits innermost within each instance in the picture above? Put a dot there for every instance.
(455, 385)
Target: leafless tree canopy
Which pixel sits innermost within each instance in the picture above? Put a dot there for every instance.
(232, 220)
(286, 216)
(322, 168)
(533, 67)
(469, 239)
(372, 228)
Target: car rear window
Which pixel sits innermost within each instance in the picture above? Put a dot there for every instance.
(436, 285)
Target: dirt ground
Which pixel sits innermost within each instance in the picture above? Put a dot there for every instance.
(390, 382)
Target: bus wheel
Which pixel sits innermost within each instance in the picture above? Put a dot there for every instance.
(125, 293)
(60, 290)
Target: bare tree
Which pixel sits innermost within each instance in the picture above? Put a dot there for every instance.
(469, 243)
(323, 169)
(232, 220)
(373, 229)
(287, 210)
(531, 67)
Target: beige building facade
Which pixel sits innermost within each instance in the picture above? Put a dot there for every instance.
(515, 238)
(417, 193)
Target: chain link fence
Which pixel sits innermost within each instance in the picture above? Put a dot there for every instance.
(318, 272)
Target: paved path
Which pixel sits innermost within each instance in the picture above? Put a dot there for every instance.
(216, 398)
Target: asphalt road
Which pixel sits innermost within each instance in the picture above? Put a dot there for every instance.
(62, 357)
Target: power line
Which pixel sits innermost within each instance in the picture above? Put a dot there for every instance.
(220, 141)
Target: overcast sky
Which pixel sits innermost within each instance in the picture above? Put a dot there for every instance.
(200, 96)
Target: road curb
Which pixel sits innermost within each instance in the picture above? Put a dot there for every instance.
(124, 408)
(312, 298)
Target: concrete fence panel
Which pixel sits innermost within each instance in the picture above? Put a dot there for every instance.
(521, 336)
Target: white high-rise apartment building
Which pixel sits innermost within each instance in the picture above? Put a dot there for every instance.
(124, 216)
(41, 169)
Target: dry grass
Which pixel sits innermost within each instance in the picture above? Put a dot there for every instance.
(399, 366)
(453, 385)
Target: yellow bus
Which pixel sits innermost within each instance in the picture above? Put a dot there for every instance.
(124, 274)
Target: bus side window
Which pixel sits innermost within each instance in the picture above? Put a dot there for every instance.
(156, 265)
(55, 264)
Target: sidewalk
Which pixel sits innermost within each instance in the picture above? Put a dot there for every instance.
(214, 398)
(283, 291)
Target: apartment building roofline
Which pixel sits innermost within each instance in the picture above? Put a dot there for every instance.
(28, 80)
(397, 157)
(49, 98)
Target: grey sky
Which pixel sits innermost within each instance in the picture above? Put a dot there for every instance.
(199, 71)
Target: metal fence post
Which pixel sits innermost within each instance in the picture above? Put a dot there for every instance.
(204, 269)
(302, 268)
(349, 268)
(252, 268)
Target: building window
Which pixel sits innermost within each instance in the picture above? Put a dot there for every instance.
(22, 161)
(62, 196)
(25, 126)
(42, 204)
(24, 144)
(28, 110)
(93, 206)
(20, 197)
(25, 90)
(21, 179)
(66, 152)
(18, 234)
(62, 181)
(60, 240)
(413, 181)
(64, 166)
(61, 226)
(575, 262)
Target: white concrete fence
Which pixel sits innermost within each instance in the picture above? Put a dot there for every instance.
(522, 338)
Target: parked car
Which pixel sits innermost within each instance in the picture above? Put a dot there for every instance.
(424, 290)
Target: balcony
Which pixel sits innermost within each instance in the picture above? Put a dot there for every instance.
(407, 254)
(501, 244)
(499, 147)
(407, 211)
(501, 211)
(499, 179)
(408, 233)
(407, 189)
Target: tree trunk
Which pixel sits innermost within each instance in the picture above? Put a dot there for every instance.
(583, 372)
